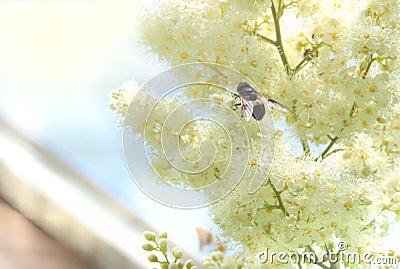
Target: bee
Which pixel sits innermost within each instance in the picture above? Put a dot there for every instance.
(253, 103)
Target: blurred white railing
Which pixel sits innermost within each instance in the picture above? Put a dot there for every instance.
(68, 206)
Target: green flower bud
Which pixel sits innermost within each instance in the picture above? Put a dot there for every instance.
(189, 264)
(152, 258)
(210, 266)
(207, 263)
(147, 247)
(150, 236)
(214, 256)
(194, 267)
(163, 235)
(172, 266)
(163, 243)
(179, 265)
(205, 259)
(219, 255)
(177, 252)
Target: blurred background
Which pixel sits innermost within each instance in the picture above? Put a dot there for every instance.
(59, 61)
(66, 197)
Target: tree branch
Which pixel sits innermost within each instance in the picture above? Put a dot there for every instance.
(278, 42)
(279, 45)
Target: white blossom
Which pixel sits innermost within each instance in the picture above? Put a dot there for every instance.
(341, 83)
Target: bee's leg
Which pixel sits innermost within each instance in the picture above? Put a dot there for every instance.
(236, 96)
(235, 107)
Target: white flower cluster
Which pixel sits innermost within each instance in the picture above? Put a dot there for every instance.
(122, 98)
(335, 64)
(351, 78)
(310, 203)
(210, 31)
(341, 87)
(191, 138)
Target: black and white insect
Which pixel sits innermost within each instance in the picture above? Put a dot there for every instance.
(253, 102)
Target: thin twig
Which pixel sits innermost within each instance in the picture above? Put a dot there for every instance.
(266, 39)
(278, 197)
(320, 264)
(306, 147)
(163, 253)
(254, 31)
(278, 42)
(325, 154)
(333, 151)
(368, 67)
(299, 66)
(279, 46)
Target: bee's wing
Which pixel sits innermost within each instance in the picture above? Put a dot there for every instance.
(275, 104)
(247, 109)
